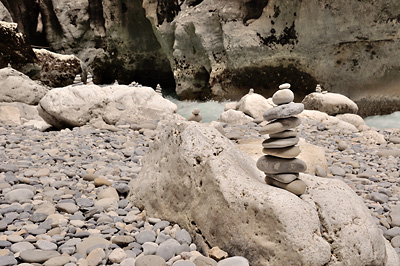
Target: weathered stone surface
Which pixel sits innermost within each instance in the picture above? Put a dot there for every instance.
(17, 87)
(37, 256)
(283, 111)
(353, 119)
(330, 103)
(284, 178)
(57, 70)
(280, 143)
(22, 114)
(274, 165)
(284, 134)
(234, 117)
(78, 105)
(16, 50)
(297, 187)
(254, 105)
(283, 96)
(280, 125)
(205, 182)
(289, 152)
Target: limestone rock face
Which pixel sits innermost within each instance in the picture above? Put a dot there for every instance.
(113, 37)
(234, 117)
(21, 114)
(17, 87)
(79, 105)
(4, 14)
(254, 105)
(226, 47)
(330, 103)
(57, 70)
(199, 179)
(15, 50)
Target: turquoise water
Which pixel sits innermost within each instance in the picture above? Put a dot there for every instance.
(384, 121)
(210, 110)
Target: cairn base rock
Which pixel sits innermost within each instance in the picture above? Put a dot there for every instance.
(198, 178)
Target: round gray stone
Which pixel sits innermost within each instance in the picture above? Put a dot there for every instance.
(46, 245)
(150, 260)
(145, 236)
(19, 195)
(18, 247)
(37, 255)
(274, 165)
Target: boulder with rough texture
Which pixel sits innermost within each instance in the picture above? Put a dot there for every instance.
(198, 178)
(234, 117)
(4, 14)
(353, 119)
(57, 70)
(16, 50)
(79, 105)
(330, 103)
(17, 87)
(22, 114)
(254, 105)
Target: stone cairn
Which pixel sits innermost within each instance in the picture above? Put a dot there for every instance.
(280, 165)
(89, 80)
(77, 80)
(196, 116)
(158, 89)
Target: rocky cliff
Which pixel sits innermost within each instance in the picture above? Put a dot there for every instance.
(220, 49)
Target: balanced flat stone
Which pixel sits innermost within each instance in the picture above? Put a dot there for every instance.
(284, 178)
(288, 152)
(280, 143)
(284, 86)
(274, 165)
(280, 125)
(283, 96)
(297, 187)
(283, 111)
(284, 134)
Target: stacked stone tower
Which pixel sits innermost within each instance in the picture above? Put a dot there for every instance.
(280, 165)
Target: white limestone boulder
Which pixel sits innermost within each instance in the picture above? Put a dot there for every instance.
(254, 105)
(199, 179)
(330, 103)
(355, 120)
(80, 105)
(17, 87)
(234, 117)
(328, 120)
(22, 114)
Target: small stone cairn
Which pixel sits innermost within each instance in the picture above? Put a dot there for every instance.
(89, 80)
(280, 165)
(77, 80)
(158, 89)
(196, 116)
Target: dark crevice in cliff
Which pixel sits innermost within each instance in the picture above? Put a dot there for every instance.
(192, 3)
(254, 9)
(266, 79)
(97, 21)
(26, 13)
(288, 37)
(167, 10)
(51, 24)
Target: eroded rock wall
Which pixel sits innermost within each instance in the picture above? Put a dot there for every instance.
(225, 47)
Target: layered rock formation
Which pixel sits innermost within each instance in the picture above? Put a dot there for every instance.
(113, 37)
(198, 178)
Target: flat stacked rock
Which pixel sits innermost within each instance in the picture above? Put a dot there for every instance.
(159, 89)
(89, 80)
(280, 165)
(78, 80)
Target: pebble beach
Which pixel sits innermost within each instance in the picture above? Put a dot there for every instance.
(63, 194)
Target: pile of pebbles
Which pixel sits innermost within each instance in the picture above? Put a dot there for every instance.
(63, 202)
(280, 165)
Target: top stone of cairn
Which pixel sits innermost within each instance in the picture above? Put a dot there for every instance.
(284, 86)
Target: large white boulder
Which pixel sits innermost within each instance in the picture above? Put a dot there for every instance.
(355, 120)
(330, 103)
(234, 117)
(80, 105)
(254, 105)
(199, 179)
(17, 87)
(328, 120)
(22, 114)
